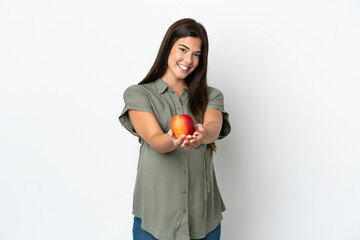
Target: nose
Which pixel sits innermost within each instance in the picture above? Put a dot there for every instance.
(188, 58)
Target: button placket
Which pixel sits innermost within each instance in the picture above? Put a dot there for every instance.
(185, 180)
(178, 106)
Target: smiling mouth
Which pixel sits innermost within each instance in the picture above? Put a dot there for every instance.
(183, 67)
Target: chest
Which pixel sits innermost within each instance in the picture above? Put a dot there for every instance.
(167, 105)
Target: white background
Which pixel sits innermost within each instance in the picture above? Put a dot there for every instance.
(289, 70)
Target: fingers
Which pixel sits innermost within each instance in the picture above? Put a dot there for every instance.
(188, 137)
(170, 133)
(179, 141)
(187, 147)
(186, 142)
(201, 129)
(197, 137)
(181, 138)
(190, 144)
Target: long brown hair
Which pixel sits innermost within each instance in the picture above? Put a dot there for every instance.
(196, 81)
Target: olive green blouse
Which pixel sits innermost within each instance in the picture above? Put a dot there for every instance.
(176, 194)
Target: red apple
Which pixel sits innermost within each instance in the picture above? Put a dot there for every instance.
(182, 124)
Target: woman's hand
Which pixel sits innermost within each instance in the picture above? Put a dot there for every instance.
(176, 142)
(193, 141)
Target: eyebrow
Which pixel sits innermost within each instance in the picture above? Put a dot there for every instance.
(188, 47)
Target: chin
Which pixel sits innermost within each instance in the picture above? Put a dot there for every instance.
(182, 77)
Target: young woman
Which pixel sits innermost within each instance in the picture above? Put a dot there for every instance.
(176, 195)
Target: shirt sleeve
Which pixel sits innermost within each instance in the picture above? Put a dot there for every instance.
(216, 100)
(135, 98)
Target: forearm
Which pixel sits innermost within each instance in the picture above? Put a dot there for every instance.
(162, 143)
(212, 130)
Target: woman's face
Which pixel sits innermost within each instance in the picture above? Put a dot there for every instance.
(184, 57)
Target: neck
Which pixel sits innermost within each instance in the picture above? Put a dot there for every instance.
(174, 83)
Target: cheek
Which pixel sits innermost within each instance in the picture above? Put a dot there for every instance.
(196, 62)
(177, 57)
(172, 58)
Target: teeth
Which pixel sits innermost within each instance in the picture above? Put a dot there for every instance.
(183, 67)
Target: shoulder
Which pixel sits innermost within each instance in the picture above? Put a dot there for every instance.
(138, 88)
(214, 92)
(143, 89)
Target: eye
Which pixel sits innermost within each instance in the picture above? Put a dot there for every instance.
(182, 49)
(197, 55)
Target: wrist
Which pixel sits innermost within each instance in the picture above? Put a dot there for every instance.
(204, 139)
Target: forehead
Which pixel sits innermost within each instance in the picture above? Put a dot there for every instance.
(191, 42)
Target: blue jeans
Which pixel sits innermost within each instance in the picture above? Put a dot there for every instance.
(141, 234)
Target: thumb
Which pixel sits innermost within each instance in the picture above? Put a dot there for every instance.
(201, 128)
(170, 132)
(180, 140)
